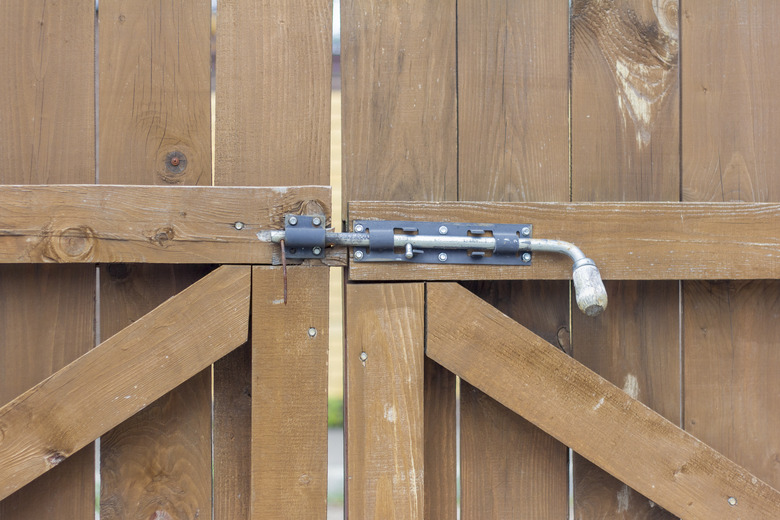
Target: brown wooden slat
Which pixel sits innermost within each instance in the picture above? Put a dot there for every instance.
(513, 145)
(290, 392)
(47, 135)
(155, 92)
(513, 97)
(729, 133)
(121, 376)
(151, 224)
(625, 135)
(586, 412)
(154, 97)
(509, 467)
(384, 401)
(400, 143)
(628, 241)
(272, 128)
(273, 92)
(398, 94)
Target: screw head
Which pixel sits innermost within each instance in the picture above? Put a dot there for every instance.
(239, 225)
(526, 231)
(316, 221)
(732, 501)
(442, 257)
(359, 228)
(312, 332)
(443, 230)
(293, 220)
(358, 255)
(526, 257)
(316, 250)
(363, 356)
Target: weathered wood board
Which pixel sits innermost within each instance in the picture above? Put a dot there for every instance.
(123, 375)
(47, 135)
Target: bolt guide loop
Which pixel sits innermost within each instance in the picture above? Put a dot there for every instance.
(440, 243)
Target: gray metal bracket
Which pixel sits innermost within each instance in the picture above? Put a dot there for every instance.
(442, 242)
(304, 236)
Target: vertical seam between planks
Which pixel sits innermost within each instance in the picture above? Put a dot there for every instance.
(457, 117)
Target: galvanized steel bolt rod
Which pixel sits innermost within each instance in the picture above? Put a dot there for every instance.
(590, 291)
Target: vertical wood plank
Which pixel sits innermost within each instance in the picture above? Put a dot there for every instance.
(272, 128)
(47, 135)
(625, 100)
(513, 127)
(509, 467)
(399, 100)
(154, 105)
(290, 393)
(384, 409)
(273, 92)
(400, 143)
(513, 95)
(625, 146)
(730, 114)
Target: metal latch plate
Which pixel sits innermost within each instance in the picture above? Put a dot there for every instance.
(304, 236)
(507, 237)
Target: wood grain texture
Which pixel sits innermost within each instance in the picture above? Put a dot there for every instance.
(509, 467)
(625, 134)
(513, 100)
(625, 100)
(384, 413)
(729, 130)
(399, 100)
(47, 135)
(513, 145)
(730, 109)
(88, 224)
(440, 438)
(685, 241)
(290, 393)
(155, 91)
(273, 92)
(731, 371)
(635, 346)
(154, 97)
(152, 463)
(581, 409)
(122, 376)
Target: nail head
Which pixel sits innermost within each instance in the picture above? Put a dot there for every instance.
(363, 356)
(358, 255)
(359, 228)
(732, 501)
(239, 225)
(312, 332)
(292, 221)
(442, 257)
(316, 221)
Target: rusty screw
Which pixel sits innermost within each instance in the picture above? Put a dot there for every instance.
(174, 161)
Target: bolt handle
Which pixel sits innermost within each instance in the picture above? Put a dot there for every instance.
(590, 290)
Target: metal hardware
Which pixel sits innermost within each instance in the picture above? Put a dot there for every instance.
(434, 242)
(732, 501)
(312, 332)
(238, 225)
(303, 237)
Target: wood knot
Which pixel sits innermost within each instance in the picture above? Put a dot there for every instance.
(55, 459)
(72, 243)
(160, 515)
(163, 236)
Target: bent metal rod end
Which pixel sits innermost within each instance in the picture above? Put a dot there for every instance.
(589, 288)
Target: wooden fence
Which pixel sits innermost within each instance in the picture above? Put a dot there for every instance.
(442, 101)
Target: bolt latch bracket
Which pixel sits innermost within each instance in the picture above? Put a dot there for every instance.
(304, 236)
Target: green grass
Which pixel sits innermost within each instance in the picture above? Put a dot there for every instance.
(335, 412)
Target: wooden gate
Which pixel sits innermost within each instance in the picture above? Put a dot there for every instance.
(534, 111)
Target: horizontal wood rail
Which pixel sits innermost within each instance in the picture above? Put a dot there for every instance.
(54, 419)
(149, 224)
(627, 240)
(581, 409)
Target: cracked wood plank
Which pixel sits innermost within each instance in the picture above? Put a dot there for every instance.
(584, 411)
(123, 375)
